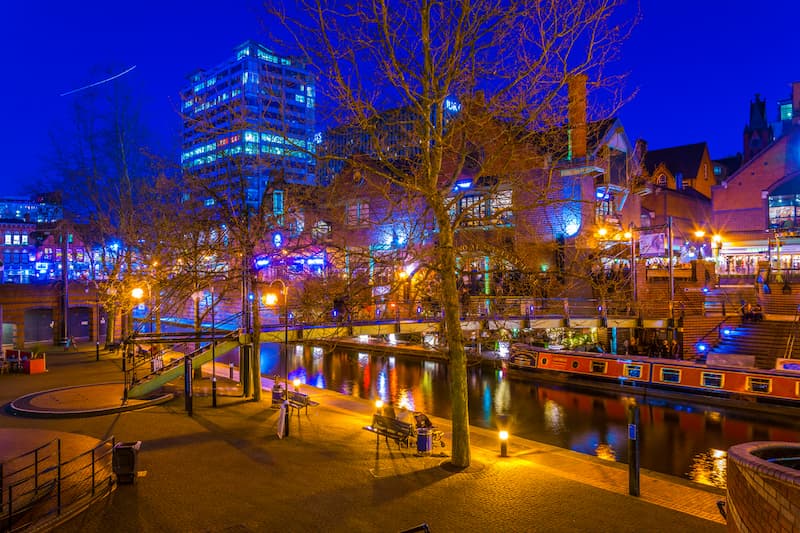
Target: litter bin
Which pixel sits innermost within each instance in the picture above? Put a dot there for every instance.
(423, 440)
(124, 460)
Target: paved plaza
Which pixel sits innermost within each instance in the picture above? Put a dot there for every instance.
(224, 469)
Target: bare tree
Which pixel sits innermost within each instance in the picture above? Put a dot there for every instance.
(471, 63)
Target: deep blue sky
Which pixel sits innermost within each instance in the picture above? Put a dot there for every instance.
(697, 64)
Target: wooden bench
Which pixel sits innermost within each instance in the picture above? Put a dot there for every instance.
(391, 428)
(298, 400)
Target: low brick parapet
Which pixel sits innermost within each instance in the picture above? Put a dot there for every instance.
(763, 495)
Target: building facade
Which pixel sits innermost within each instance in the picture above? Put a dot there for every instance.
(250, 120)
(757, 209)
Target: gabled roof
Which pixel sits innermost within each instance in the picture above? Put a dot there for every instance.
(597, 133)
(555, 140)
(678, 159)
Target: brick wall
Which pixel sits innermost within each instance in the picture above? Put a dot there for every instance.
(762, 496)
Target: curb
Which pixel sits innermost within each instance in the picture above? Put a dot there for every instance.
(17, 407)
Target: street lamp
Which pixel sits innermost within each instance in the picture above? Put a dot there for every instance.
(137, 293)
(271, 299)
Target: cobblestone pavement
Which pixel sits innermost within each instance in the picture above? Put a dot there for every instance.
(225, 469)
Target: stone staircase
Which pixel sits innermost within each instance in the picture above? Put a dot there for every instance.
(727, 300)
(766, 341)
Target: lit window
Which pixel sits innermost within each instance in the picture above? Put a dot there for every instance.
(633, 371)
(8, 239)
(599, 367)
(786, 111)
(762, 385)
(670, 375)
(662, 180)
(712, 380)
(16, 238)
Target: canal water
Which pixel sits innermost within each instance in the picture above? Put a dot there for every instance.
(678, 438)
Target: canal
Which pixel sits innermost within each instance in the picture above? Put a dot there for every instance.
(678, 438)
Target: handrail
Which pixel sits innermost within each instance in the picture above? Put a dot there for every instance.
(717, 327)
(54, 485)
(787, 353)
(147, 360)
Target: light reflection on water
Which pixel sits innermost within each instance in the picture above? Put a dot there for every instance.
(675, 438)
(709, 468)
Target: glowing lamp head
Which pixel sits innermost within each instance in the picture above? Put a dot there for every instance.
(296, 382)
(726, 331)
(627, 235)
(379, 404)
(702, 348)
(137, 293)
(699, 234)
(717, 239)
(602, 232)
(270, 298)
(503, 435)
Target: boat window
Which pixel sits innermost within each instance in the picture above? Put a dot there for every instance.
(633, 371)
(544, 361)
(574, 364)
(711, 379)
(670, 375)
(763, 385)
(599, 367)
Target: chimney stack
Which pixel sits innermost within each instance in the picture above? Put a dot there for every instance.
(577, 115)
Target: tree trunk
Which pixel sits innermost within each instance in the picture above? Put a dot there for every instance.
(256, 343)
(455, 345)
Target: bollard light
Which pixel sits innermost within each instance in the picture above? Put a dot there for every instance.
(378, 405)
(296, 383)
(504, 443)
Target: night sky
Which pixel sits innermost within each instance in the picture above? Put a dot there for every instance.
(697, 65)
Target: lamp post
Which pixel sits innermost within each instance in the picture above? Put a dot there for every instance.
(630, 236)
(97, 324)
(213, 353)
(137, 293)
(271, 299)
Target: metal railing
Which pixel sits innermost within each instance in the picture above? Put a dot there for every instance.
(37, 486)
(787, 354)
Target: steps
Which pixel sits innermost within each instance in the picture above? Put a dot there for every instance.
(765, 340)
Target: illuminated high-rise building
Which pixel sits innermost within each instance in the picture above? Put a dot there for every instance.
(250, 121)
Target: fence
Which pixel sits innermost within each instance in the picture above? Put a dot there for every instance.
(37, 486)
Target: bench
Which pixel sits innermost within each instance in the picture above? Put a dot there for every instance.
(391, 428)
(298, 400)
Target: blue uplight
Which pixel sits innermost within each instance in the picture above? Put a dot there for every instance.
(702, 347)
